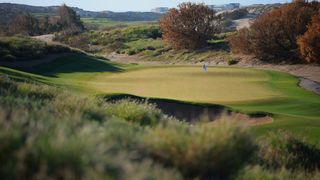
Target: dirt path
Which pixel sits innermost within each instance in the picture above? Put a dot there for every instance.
(48, 38)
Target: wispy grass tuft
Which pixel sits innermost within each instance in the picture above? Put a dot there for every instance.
(206, 151)
(135, 111)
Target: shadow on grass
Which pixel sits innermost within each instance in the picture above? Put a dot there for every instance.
(73, 64)
(187, 111)
(190, 112)
(219, 44)
(18, 76)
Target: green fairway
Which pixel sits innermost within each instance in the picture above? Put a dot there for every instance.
(242, 89)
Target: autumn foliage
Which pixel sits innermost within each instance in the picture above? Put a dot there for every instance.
(69, 21)
(273, 36)
(309, 43)
(189, 26)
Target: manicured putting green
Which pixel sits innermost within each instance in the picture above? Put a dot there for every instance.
(189, 84)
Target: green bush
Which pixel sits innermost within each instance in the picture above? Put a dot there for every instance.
(282, 149)
(56, 138)
(141, 32)
(142, 113)
(131, 52)
(202, 150)
(258, 172)
(112, 39)
(232, 62)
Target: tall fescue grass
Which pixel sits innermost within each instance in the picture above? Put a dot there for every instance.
(135, 111)
(207, 151)
(283, 149)
(67, 137)
(47, 133)
(258, 172)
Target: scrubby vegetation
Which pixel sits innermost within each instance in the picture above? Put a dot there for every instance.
(50, 133)
(66, 22)
(110, 40)
(309, 43)
(273, 36)
(105, 24)
(26, 48)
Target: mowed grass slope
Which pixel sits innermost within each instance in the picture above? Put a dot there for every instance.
(245, 90)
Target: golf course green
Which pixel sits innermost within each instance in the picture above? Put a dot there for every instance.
(245, 90)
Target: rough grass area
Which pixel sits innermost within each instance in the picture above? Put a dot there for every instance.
(143, 40)
(103, 23)
(25, 48)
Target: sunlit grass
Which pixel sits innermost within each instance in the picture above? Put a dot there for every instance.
(190, 84)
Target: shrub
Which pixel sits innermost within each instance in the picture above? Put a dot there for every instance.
(132, 52)
(190, 26)
(69, 21)
(240, 43)
(141, 32)
(232, 62)
(206, 151)
(309, 43)
(258, 172)
(282, 149)
(135, 111)
(25, 24)
(273, 36)
(54, 138)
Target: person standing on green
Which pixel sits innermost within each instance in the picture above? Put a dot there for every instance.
(205, 67)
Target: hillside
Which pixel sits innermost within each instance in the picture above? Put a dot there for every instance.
(9, 10)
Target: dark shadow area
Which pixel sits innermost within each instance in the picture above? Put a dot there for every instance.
(181, 110)
(19, 76)
(219, 45)
(189, 112)
(72, 64)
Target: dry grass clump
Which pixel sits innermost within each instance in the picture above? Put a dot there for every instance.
(202, 150)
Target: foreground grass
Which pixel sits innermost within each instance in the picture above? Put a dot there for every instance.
(48, 133)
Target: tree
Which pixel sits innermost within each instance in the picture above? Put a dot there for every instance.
(309, 43)
(69, 21)
(44, 25)
(25, 24)
(189, 26)
(240, 43)
(273, 36)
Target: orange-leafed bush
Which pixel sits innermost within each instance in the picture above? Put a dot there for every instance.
(309, 43)
(189, 26)
(240, 43)
(273, 36)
